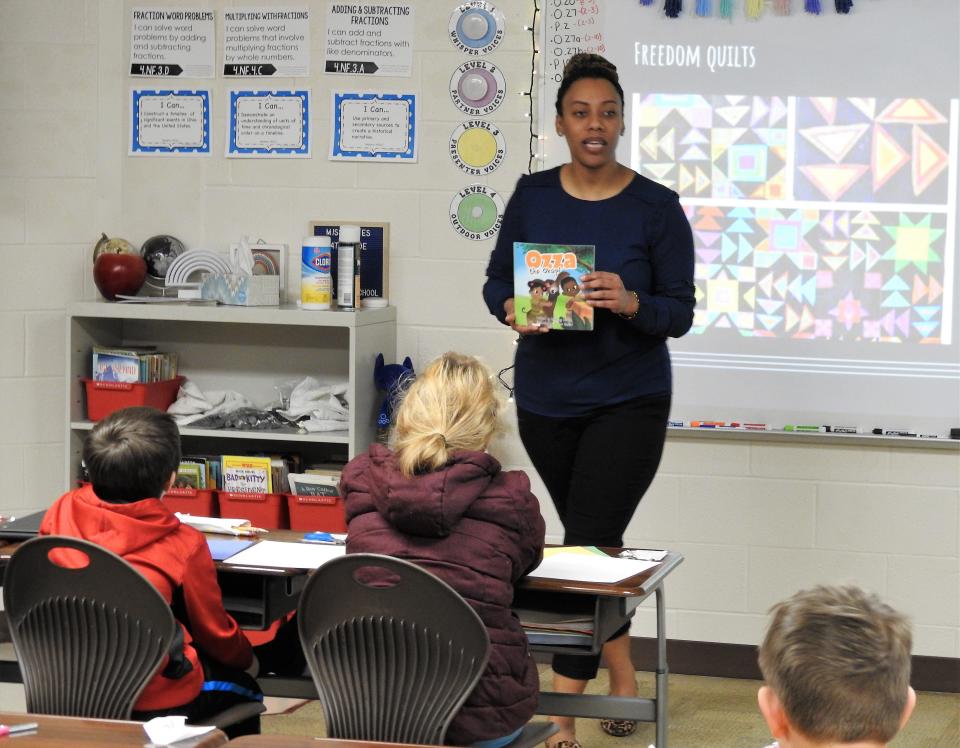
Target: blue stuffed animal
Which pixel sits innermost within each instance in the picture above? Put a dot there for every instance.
(392, 379)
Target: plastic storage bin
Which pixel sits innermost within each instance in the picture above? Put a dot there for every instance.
(266, 510)
(309, 513)
(200, 502)
(105, 397)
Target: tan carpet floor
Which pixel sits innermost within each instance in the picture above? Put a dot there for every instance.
(703, 713)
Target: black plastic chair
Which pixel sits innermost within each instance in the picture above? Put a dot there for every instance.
(393, 650)
(88, 640)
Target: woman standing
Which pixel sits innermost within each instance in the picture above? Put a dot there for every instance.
(592, 407)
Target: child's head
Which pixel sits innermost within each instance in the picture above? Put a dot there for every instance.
(836, 661)
(569, 286)
(450, 405)
(132, 454)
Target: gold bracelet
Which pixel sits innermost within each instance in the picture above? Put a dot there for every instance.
(631, 316)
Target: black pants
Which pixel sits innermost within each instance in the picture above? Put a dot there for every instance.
(228, 687)
(596, 467)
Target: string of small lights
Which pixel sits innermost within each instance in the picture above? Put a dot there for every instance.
(534, 138)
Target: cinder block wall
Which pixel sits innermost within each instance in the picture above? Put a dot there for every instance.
(755, 520)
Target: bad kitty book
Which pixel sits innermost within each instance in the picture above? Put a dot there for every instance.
(546, 285)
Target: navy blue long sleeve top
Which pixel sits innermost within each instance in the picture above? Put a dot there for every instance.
(642, 235)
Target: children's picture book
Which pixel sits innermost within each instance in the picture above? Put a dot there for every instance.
(116, 366)
(244, 474)
(133, 364)
(546, 285)
(190, 475)
(302, 484)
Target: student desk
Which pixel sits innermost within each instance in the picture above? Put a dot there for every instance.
(300, 741)
(56, 732)
(248, 596)
(256, 596)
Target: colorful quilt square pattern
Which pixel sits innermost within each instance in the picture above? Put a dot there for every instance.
(809, 273)
(713, 146)
(869, 149)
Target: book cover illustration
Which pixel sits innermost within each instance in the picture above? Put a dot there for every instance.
(312, 484)
(546, 285)
(115, 367)
(189, 476)
(243, 474)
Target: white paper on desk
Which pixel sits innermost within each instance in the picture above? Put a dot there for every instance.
(224, 525)
(168, 730)
(579, 567)
(287, 555)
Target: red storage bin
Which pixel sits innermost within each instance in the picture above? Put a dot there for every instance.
(323, 513)
(105, 397)
(199, 502)
(266, 510)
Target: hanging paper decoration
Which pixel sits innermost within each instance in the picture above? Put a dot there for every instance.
(751, 8)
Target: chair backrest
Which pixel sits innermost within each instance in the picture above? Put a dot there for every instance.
(88, 639)
(393, 650)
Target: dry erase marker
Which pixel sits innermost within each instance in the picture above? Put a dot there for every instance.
(808, 429)
(707, 424)
(751, 426)
(675, 424)
(843, 429)
(892, 432)
(15, 729)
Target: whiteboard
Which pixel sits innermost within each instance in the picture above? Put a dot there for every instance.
(816, 158)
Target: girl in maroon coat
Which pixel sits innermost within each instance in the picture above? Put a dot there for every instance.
(439, 500)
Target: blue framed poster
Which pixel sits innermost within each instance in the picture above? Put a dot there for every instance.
(269, 124)
(170, 123)
(374, 127)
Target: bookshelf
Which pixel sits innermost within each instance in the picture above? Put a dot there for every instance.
(248, 349)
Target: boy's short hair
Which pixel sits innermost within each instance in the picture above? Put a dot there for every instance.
(838, 659)
(130, 454)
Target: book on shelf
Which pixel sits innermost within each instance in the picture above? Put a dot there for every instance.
(190, 475)
(546, 285)
(312, 484)
(133, 364)
(246, 474)
(333, 469)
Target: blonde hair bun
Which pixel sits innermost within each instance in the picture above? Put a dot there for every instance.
(450, 406)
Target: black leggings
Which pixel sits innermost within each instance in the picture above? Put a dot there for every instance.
(596, 467)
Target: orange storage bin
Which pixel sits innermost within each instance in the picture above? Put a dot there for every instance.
(105, 397)
(200, 502)
(266, 510)
(323, 513)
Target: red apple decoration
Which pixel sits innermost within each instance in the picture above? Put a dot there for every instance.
(117, 273)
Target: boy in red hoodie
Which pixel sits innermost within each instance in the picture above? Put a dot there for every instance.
(132, 458)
